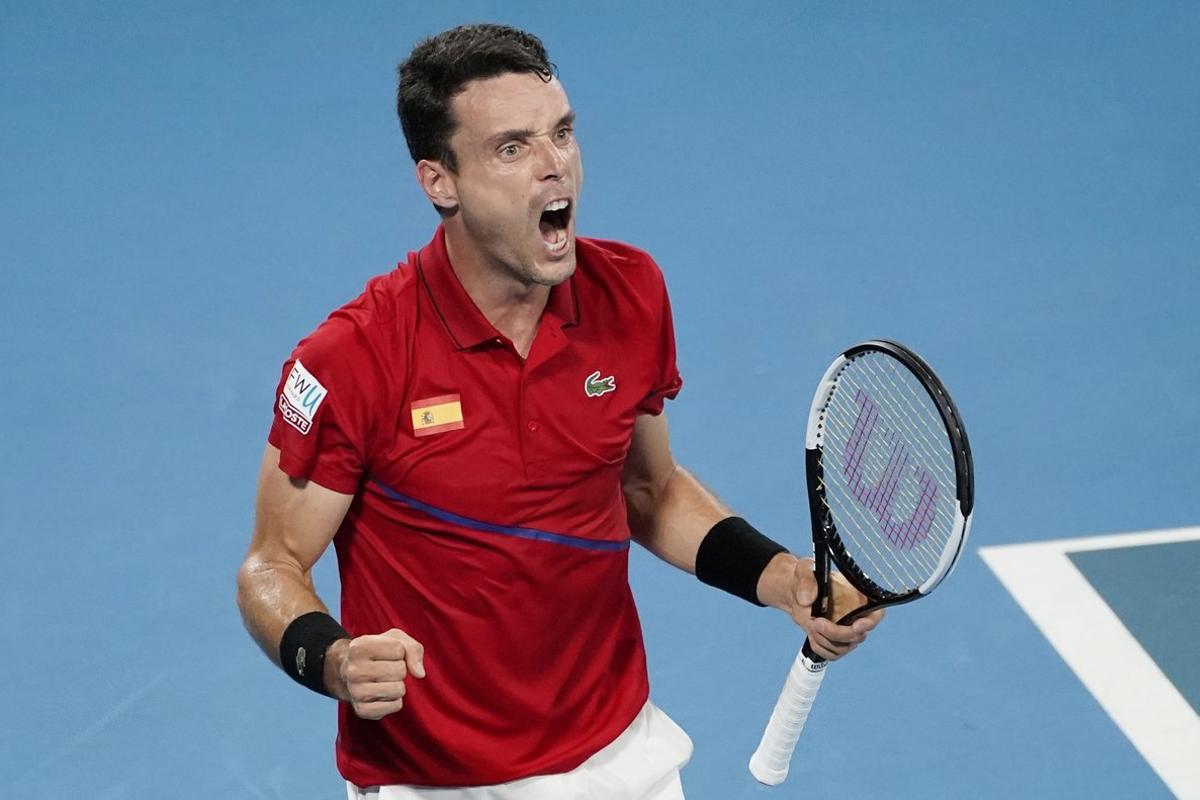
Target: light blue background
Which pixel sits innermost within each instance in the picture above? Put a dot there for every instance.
(1013, 189)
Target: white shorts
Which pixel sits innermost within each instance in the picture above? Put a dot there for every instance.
(642, 763)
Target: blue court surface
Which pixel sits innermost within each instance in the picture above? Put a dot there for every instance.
(1012, 189)
(1157, 613)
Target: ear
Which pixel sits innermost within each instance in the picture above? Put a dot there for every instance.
(438, 184)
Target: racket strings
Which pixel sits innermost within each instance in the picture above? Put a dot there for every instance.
(889, 472)
(886, 570)
(894, 570)
(916, 441)
(904, 570)
(915, 542)
(925, 430)
(911, 545)
(922, 412)
(920, 556)
(905, 489)
(928, 459)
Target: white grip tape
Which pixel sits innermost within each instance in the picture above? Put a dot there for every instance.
(771, 760)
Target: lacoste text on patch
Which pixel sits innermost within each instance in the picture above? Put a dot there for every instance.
(302, 396)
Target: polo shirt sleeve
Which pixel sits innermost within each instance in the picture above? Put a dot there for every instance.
(322, 409)
(667, 381)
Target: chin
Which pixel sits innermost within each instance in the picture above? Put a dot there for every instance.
(555, 272)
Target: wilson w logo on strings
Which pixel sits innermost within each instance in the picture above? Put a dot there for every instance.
(879, 496)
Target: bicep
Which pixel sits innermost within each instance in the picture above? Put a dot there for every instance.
(295, 520)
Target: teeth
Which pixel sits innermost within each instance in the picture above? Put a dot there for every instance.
(557, 205)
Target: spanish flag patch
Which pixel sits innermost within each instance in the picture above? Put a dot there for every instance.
(437, 415)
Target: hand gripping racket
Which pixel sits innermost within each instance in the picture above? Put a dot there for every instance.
(890, 493)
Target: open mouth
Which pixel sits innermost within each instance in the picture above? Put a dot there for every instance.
(553, 224)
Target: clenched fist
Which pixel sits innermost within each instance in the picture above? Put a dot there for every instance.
(369, 671)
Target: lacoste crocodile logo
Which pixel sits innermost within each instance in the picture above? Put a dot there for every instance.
(594, 385)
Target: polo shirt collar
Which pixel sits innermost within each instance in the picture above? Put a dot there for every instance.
(463, 319)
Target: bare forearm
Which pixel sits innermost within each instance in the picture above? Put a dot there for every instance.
(671, 520)
(672, 524)
(671, 512)
(270, 595)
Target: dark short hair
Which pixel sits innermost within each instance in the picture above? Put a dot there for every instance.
(441, 66)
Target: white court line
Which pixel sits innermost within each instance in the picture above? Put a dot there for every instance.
(1105, 656)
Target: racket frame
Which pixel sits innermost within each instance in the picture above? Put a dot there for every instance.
(827, 544)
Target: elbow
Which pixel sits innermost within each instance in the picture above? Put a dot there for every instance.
(639, 499)
(247, 582)
(241, 591)
(646, 491)
(644, 499)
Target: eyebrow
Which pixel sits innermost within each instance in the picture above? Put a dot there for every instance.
(566, 119)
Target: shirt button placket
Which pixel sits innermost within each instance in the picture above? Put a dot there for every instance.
(533, 464)
(530, 438)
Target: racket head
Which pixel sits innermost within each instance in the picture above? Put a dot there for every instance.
(890, 476)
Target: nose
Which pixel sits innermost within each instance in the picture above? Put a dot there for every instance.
(552, 161)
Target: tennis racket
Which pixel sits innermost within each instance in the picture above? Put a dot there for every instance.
(890, 493)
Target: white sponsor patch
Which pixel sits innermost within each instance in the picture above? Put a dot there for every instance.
(302, 396)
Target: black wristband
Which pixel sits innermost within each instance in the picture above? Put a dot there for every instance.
(302, 648)
(732, 557)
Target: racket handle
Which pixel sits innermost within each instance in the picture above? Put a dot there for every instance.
(771, 760)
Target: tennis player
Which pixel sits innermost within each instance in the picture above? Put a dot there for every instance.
(481, 436)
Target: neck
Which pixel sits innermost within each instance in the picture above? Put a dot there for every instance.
(511, 305)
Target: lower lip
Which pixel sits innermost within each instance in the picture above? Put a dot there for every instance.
(562, 246)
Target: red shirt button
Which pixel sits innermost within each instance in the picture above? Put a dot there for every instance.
(532, 425)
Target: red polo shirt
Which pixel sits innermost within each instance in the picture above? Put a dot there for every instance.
(488, 520)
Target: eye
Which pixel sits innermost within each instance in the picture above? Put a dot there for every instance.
(510, 150)
(565, 134)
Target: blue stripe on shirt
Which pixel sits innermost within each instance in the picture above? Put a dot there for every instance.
(504, 530)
